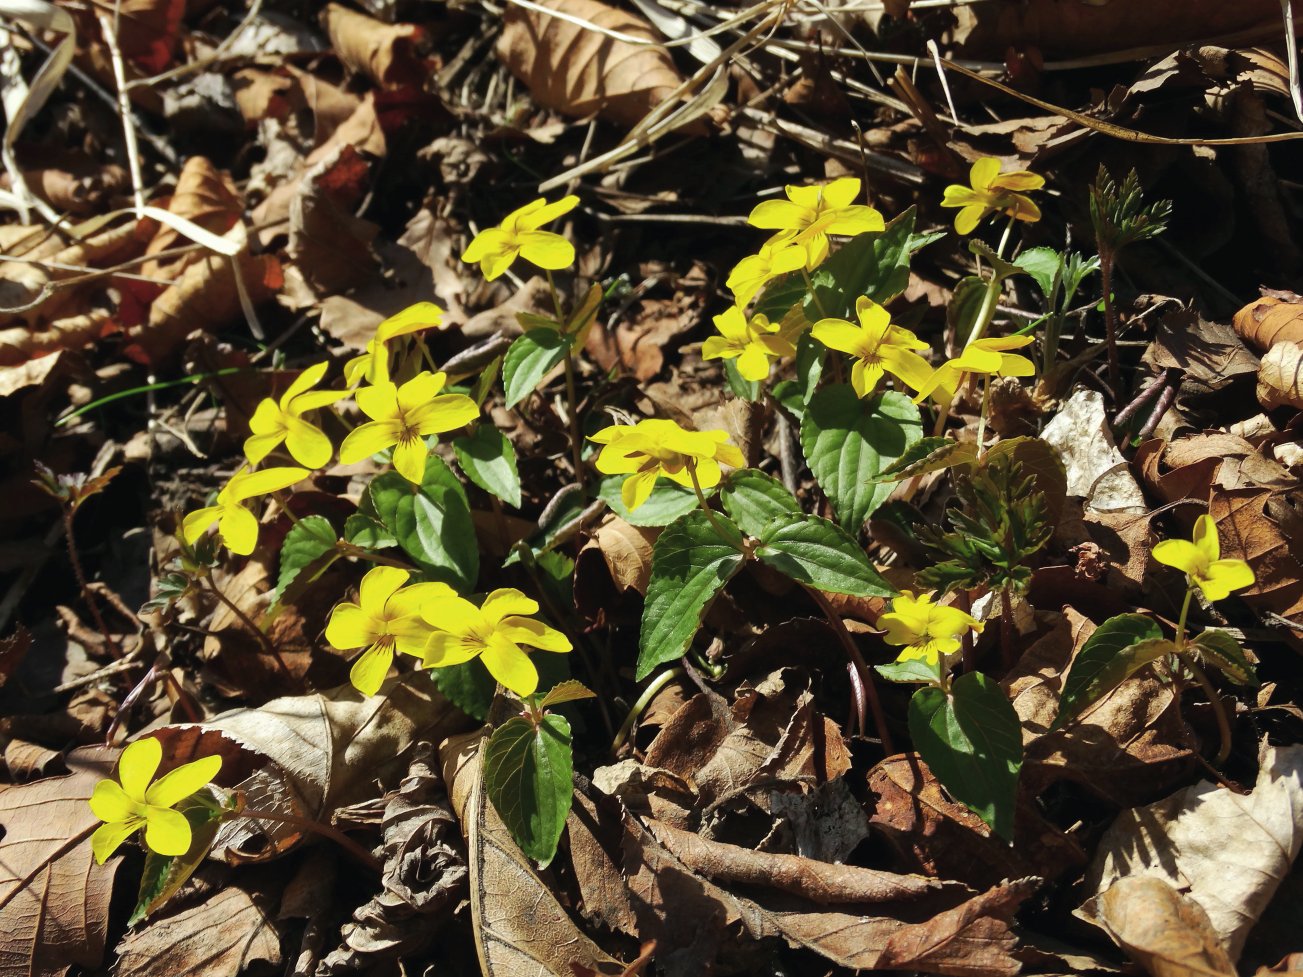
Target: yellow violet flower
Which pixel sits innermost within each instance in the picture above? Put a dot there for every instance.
(519, 235)
(878, 345)
(236, 525)
(492, 632)
(387, 617)
(1200, 560)
(927, 631)
(401, 417)
(812, 213)
(652, 448)
(986, 356)
(373, 365)
(274, 422)
(993, 192)
(137, 803)
(777, 256)
(752, 343)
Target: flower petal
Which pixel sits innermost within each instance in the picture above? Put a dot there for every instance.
(178, 784)
(1231, 574)
(840, 335)
(304, 382)
(549, 212)
(196, 523)
(368, 439)
(547, 250)
(444, 649)
(248, 485)
(409, 459)
(350, 627)
(1205, 537)
(505, 602)
(445, 413)
(778, 215)
(369, 671)
(167, 832)
(414, 318)
(1182, 554)
(239, 529)
(110, 802)
(308, 444)
(378, 401)
(490, 241)
(510, 666)
(137, 766)
(378, 585)
(528, 631)
(983, 172)
(966, 220)
(259, 446)
(108, 838)
(637, 488)
(753, 364)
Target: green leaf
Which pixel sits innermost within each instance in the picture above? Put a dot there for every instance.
(571, 690)
(874, 264)
(368, 531)
(489, 460)
(849, 442)
(529, 359)
(690, 565)
(810, 354)
(753, 500)
(820, 554)
(165, 874)
(468, 686)
(1218, 648)
(1003, 269)
(971, 740)
(1045, 265)
(930, 455)
(1118, 647)
(528, 776)
(432, 524)
(911, 670)
(666, 503)
(1041, 460)
(777, 298)
(308, 539)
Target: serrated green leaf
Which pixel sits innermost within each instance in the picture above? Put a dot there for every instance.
(528, 774)
(820, 554)
(1116, 649)
(308, 539)
(468, 686)
(1045, 265)
(571, 690)
(690, 565)
(1041, 460)
(849, 442)
(666, 503)
(911, 670)
(753, 500)
(1003, 269)
(1218, 648)
(165, 874)
(928, 455)
(971, 740)
(432, 522)
(489, 460)
(874, 264)
(367, 531)
(529, 359)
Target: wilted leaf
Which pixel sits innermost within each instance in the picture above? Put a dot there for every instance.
(1280, 376)
(385, 53)
(1168, 934)
(1272, 319)
(223, 936)
(1096, 470)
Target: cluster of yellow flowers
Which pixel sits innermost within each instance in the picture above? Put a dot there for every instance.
(877, 346)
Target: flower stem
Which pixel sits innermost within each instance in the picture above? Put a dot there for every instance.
(981, 416)
(860, 673)
(1110, 320)
(572, 398)
(814, 296)
(80, 574)
(1180, 624)
(249, 623)
(1219, 711)
(644, 700)
(705, 506)
(318, 827)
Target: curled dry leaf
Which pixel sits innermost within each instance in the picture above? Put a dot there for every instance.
(385, 53)
(577, 71)
(1229, 851)
(1280, 376)
(54, 899)
(1166, 933)
(1248, 532)
(520, 928)
(1274, 318)
(205, 196)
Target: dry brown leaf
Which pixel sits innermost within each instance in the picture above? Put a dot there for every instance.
(821, 882)
(626, 550)
(54, 899)
(204, 196)
(385, 53)
(79, 190)
(639, 341)
(1275, 318)
(1228, 850)
(223, 936)
(1096, 470)
(1280, 376)
(1249, 533)
(520, 928)
(579, 72)
(329, 244)
(1168, 934)
(1209, 354)
(590, 829)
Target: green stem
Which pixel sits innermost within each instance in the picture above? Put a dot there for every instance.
(814, 296)
(644, 700)
(572, 397)
(981, 416)
(110, 645)
(249, 624)
(1180, 624)
(362, 553)
(1110, 320)
(727, 537)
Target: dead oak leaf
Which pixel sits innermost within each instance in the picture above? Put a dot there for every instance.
(1168, 934)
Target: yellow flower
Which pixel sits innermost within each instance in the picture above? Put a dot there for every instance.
(138, 804)
(986, 356)
(492, 632)
(777, 256)
(373, 365)
(878, 346)
(274, 422)
(1200, 561)
(518, 234)
(750, 343)
(812, 213)
(652, 448)
(386, 617)
(928, 631)
(402, 416)
(236, 525)
(993, 192)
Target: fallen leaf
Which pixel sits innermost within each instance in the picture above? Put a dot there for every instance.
(223, 936)
(1168, 934)
(1096, 470)
(13, 649)
(520, 928)
(1277, 317)
(207, 198)
(1208, 354)
(616, 559)
(1248, 533)
(54, 899)
(1280, 376)
(578, 71)
(1228, 851)
(384, 53)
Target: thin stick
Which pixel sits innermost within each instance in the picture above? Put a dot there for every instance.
(1219, 711)
(109, 30)
(323, 829)
(86, 595)
(861, 672)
